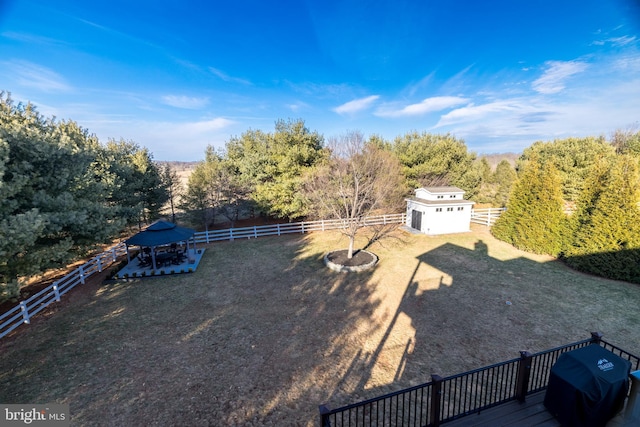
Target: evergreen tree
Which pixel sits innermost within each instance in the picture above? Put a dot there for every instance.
(534, 220)
(572, 157)
(52, 194)
(503, 179)
(606, 224)
(436, 160)
(271, 166)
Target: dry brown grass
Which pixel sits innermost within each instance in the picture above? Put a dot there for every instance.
(262, 333)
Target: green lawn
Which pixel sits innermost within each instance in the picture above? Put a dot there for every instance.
(262, 333)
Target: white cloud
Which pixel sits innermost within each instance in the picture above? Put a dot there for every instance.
(475, 112)
(356, 105)
(616, 41)
(34, 76)
(436, 103)
(227, 78)
(186, 102)
(554, 77)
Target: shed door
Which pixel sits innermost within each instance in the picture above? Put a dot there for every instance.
(416, 220)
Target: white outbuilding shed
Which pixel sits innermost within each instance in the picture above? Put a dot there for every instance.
(439, 210)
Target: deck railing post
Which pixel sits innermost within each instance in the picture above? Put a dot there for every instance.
(81, 273)
(436, 400)
(324, 417)
(524, 373)
(596, 337)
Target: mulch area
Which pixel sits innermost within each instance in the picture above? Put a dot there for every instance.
(359, 258)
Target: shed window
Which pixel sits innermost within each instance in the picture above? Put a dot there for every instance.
(460, 208)
(449, 209)
(438, 209)
(440, 197)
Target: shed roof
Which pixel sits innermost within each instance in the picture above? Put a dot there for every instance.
(450, 202)
(447, 189)
(160, 233)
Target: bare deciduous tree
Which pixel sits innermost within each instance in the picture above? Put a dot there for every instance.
(357, 180)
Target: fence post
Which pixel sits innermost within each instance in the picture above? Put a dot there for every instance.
(81, 272)
(324, 418)
(25, 313)
(302, 227)
(99, 260)
(231, 234)
(524, 372)
(114, 256)
(56, 291)
(322, 222)
(255, 232)
(278, 227)
(436, 399)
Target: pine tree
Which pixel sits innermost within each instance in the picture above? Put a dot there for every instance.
(606, 225)
(534, 220)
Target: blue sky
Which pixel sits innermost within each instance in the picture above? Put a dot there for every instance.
(175, 76)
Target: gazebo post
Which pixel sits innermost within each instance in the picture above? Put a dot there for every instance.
(153, 257)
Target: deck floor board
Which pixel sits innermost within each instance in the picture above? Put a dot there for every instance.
(531, 413)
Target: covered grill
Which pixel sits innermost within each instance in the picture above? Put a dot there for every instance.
(587, 386)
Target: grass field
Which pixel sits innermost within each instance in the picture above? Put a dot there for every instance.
(262, 333)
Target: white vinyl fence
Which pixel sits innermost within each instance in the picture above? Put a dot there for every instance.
(291, 227)
(25, 310)
(487, 216)
(22, 313)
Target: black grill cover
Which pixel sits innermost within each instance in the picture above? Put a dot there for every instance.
(587, 386)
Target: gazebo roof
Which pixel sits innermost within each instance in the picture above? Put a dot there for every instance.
(160, 233)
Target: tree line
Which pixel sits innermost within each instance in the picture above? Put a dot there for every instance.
(578, 199)
(63, 193)
(266, 171)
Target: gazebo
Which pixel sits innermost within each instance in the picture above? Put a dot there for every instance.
(158, 234)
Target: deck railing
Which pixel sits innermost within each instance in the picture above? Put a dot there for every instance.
(445, 399)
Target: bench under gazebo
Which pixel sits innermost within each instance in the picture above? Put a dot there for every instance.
(163, 234)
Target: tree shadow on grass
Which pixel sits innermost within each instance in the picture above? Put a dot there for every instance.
(252, 339)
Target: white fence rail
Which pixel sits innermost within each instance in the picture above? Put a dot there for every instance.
(487, 216)
(25, 310)
(289, 228)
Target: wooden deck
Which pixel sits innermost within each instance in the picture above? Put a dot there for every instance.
(528, 414)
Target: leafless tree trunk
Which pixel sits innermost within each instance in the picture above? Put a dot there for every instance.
(358, 179)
